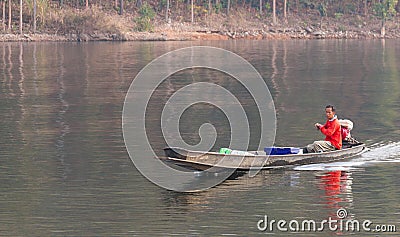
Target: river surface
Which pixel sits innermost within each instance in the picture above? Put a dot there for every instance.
(65, 171)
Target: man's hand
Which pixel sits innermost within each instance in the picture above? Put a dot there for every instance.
(318, 126)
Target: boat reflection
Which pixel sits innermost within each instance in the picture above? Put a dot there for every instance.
(337, 190)
(273, 188)
(238, 184)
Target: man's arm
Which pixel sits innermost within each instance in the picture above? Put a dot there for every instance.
(330, 131)
(318, 125)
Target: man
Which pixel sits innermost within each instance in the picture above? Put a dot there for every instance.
(331, 129)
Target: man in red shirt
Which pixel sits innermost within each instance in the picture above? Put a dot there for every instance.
(331, 129)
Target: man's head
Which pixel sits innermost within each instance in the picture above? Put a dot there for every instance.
(330, 111)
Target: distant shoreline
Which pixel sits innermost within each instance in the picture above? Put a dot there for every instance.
(263, 34)
(96, 24)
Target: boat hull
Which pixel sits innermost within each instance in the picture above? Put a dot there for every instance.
(204, 160)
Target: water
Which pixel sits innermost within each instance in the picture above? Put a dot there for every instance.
(64, 169)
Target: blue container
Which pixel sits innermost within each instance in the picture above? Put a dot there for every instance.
(281, 150)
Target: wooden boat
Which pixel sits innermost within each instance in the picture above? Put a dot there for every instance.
(254, 159)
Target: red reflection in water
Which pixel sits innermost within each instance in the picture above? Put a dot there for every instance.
(336, 188)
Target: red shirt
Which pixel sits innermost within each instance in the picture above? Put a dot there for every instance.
(331, 130)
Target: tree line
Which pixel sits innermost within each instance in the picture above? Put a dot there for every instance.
(17, 13)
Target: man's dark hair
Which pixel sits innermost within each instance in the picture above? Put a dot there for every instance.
(330, 106)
